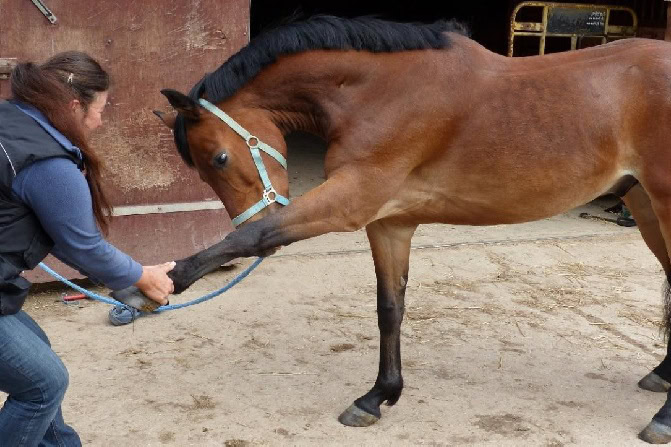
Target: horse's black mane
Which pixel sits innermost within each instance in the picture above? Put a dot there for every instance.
(321, 33)
(317, 33)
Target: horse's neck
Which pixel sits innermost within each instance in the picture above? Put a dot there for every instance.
(305, 91)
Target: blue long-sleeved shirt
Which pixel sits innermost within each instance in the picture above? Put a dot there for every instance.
(57, 192)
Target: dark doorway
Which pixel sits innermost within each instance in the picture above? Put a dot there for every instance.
(488, 21)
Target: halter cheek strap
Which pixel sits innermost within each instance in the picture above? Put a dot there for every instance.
(270, 195)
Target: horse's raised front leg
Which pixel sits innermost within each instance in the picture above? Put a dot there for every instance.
(347, 201)
(390, 245)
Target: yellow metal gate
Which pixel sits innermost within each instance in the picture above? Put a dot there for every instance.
(579, 25)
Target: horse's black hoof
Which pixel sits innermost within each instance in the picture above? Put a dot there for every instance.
(133, 297)
(356, 417)
(653, 382)
(656, 433)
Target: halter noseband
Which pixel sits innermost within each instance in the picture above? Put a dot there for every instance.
(255, 146)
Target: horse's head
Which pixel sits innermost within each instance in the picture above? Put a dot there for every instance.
(242, 157)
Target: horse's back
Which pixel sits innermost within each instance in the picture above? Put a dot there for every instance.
(539, 135)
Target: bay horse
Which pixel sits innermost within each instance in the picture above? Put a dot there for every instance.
(424, 125)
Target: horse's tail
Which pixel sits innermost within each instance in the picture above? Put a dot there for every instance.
(667, 307)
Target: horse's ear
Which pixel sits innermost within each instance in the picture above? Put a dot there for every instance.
(182, 103)
(167, 118)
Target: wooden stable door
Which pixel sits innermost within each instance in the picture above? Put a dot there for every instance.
(163, 210)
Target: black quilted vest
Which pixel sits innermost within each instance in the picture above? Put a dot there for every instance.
(23, 242)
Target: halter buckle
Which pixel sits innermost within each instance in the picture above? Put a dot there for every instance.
(256, 142)
(269, 195)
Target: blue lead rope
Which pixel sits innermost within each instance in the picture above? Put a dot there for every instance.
(123, 314)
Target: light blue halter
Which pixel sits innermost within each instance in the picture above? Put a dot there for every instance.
(255, 145)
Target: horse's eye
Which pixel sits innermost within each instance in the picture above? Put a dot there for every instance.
(220, 160)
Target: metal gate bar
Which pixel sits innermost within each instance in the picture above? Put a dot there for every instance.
(574, 21)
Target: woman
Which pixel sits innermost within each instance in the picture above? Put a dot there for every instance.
(51, 201)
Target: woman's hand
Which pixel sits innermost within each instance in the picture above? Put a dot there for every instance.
(155, 283)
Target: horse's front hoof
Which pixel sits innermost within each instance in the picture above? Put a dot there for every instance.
(356, 417)
(656, 433)
(653, 382)
(133, 297)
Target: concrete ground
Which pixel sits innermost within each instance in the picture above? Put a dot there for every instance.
(531, 334)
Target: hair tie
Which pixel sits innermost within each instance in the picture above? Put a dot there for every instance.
(70, 76)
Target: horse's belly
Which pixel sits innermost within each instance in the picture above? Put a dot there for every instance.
(489, 203)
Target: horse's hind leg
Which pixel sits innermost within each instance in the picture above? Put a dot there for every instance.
(390, 245)
(638, 202)
(658, 430)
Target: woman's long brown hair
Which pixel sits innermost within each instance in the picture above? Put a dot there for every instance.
(50, 88)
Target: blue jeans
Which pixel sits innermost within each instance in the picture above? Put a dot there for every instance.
(35, 379)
